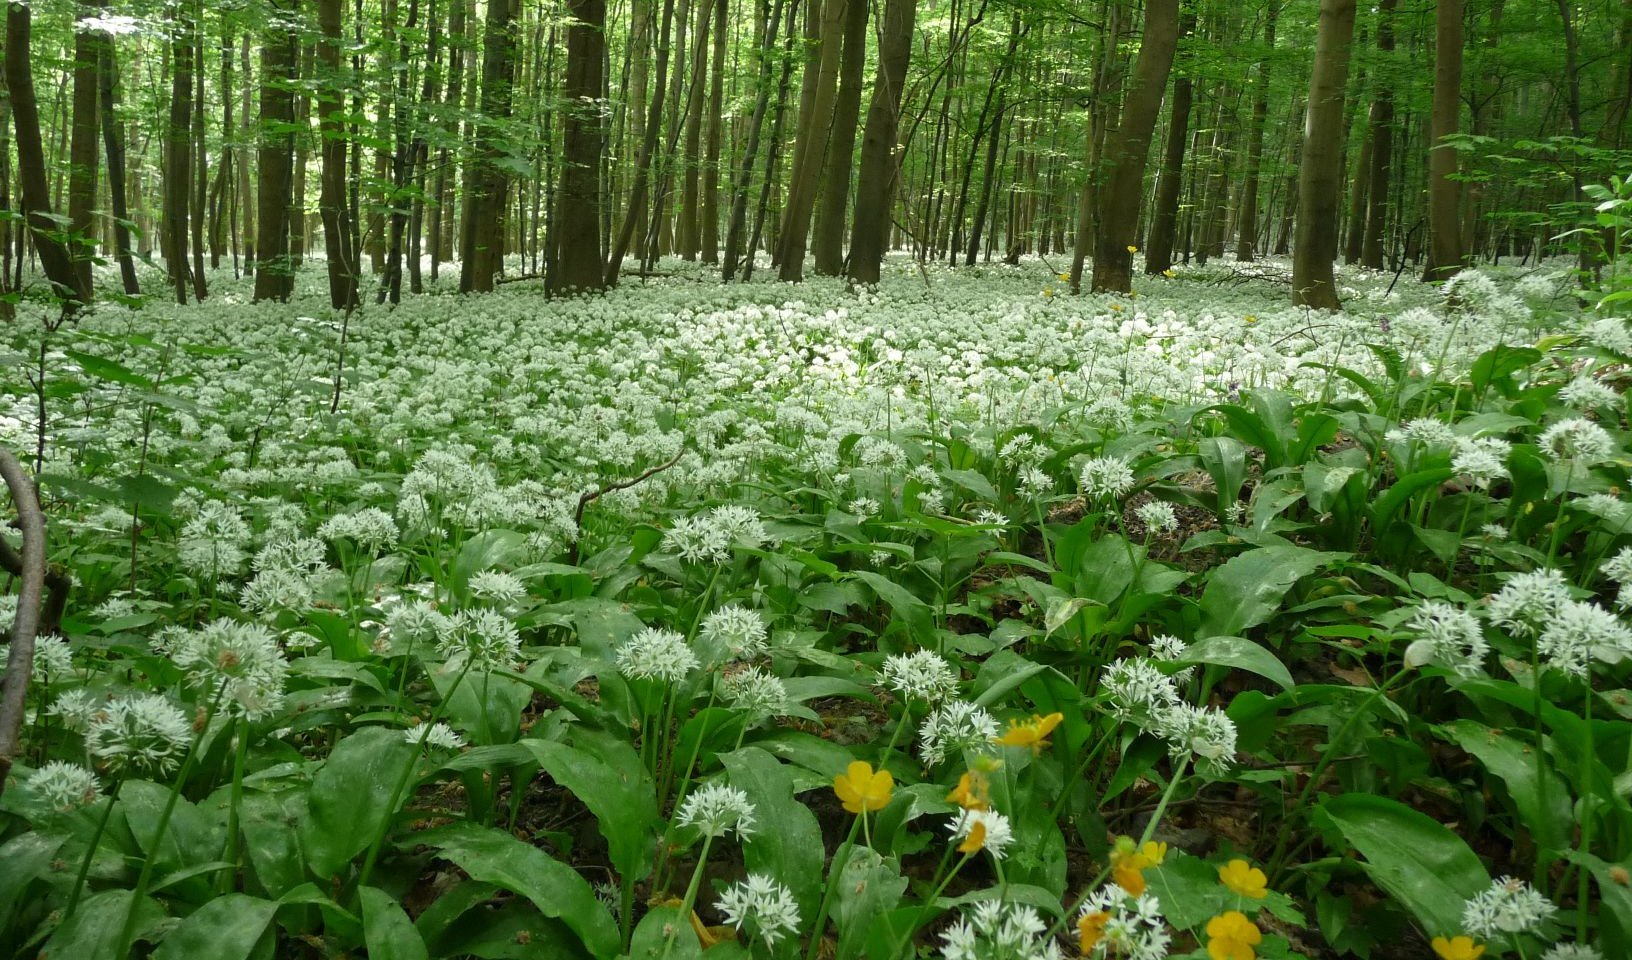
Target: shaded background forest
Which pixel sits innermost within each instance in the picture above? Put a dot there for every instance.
(409, 143)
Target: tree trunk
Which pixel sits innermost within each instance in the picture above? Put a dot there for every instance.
(875, 181)
(734, 233)
(648, 149)
(1320, 175)
(827, 241)
(1381, 121)
(716, 122)
(43, 229)
(580, 196)
(275, 276)
(1445, 249)
(1127, 148)
(1246, 236)
(113, 145)
(1164, 220)
(178, 149)
(82, 161)
(812, 146)
(339, 230)
(197, 217)
(689, 239)
(487, 184)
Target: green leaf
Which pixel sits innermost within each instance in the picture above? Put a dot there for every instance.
(26, 856)
(1417, 859)
(663, 934)
(1248, 589)
(608, 776)
(787, 840)
(226, 928)
(869, 886)
(913, 612)
(347, 803)
(108, 369)
(1240, 653)
(554, 888)
(1514, 762)
(386, 928)
(90, 934)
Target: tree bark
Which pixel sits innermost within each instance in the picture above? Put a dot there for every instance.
(178, 149)
(43, 229)
(113, 145)
(82, 150)
(275, 275)
(648, 149)
(581, 195)
(1381, 121)
(1246, 236)
(734, 233)
(1445, 249)
(716, 122)
(1320, 175)
(827, 241)
(1127, 148)
(812, 146)
(1164, 218)
(339, 230)
(487, 185)
(880, 164)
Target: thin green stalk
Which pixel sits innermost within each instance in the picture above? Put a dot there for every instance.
(229, 878)
(90, 852)
(1326, 758)
(1589, 756)
(841, 859)
(401, 786)
(691, 893)
(929, 903)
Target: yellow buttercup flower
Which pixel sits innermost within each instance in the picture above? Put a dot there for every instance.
(973, 792)
(1129, 863)
(861, 790)
(1032, 733)
(976, 838)
(1132, 248)
(1249, 318)
(1245, 879)
(1091, 929)
(1458, 948)
(1065, 276)
(1231, 936)
(1048, 291)
(1168, 273)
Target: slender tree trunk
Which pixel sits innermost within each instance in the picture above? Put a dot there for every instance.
(876, 178)
(1320, 174)
(1381, 121)
(82, 150)
(113, 146)
(246, 192)
(769, 182)
(1164, 220)
(735, 231)
(581, 194)
(275, 278)
(55, 259)
(812, 145)
(715, 136)
(178, 149)
(689, 239)
(487, 184)
(197, 211)
(827, 243)
(1246, 237)
(648, 150)
(1127, 148)
(334, 206)
(1445, 249)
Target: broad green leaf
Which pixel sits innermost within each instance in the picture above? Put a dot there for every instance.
(226, 928)
(1412, 856)
(787, 840)
(913, 612)
(1248, 589)
(1240, 653)
(349, 796)
(91, 933)
(608, 776)
(386, 928)
(556, 889)
(663, 934)
(1513, 760)
(869, 886)
(26, 856)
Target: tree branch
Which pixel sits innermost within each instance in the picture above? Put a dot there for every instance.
(14, 686)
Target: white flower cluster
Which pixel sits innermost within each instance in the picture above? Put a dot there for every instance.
(923, 675)
(1509, 906)
(762, 903)
(995, 930)
(716, 809)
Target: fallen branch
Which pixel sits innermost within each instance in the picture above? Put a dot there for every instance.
(585, 499)
(14, 687)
